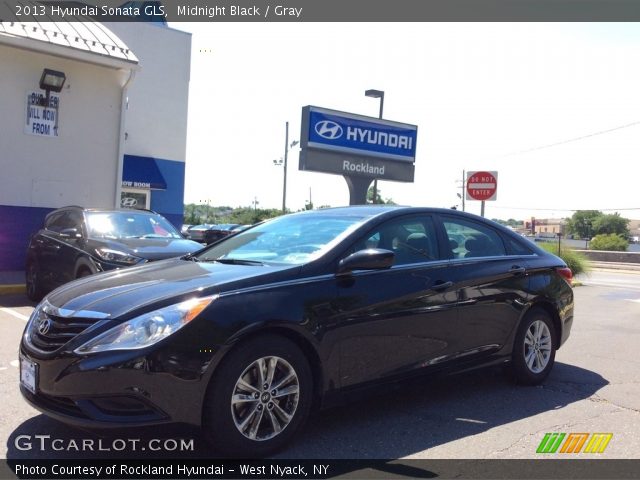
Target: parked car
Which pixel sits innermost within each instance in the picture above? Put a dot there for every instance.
(75, 242)
(240, 228)
(218, 232)
(196, 232)
(245, 337)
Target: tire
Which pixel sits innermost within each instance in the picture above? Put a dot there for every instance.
(534, 348)
(33, 284)
(236, 422)
(83, 272)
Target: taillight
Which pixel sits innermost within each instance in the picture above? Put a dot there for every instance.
(565, 273)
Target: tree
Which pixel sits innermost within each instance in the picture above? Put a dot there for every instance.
(581, 222)
(378, 199)
(611, 242)
(370, 198)
(611, 223)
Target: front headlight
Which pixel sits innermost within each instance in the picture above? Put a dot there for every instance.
(147, 329)
(117, 256)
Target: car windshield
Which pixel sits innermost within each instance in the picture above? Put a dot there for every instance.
(291, 240)
(129, 225)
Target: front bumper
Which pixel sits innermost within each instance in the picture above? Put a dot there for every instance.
(119, 389)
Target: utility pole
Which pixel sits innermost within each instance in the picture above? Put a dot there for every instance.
(464, 189)
(284, 185)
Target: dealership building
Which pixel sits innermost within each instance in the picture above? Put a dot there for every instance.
(93, 114)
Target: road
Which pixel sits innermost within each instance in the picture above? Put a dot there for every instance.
(618, 279)
(593, 388)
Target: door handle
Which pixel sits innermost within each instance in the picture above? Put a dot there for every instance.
(517, 270)
(440, 285)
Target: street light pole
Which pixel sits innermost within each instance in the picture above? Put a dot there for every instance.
(283, 161)
(284, 183)
(376, 94)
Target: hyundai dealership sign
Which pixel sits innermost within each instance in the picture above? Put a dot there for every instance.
(350, 144)
(359, 135)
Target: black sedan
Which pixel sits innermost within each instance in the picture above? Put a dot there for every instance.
(196, 232)
(218, 232)
(246, 337)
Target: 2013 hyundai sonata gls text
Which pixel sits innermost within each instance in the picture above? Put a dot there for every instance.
(246, 337)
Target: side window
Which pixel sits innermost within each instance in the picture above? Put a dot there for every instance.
(517, 248)
(68, 219)
(468, 239)
(50, 223)
(60, 222)
(413, 240)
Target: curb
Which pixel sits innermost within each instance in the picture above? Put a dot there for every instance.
(12, 289)
(630, 267)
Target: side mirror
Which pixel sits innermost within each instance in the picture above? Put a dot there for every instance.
(71, 233)
(368, 259)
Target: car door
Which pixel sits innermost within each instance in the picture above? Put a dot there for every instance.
(394, 321)
(64, 246)
(491, 282)
(45, 250)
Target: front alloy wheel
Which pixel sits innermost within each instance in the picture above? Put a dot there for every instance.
(260, 396)
(534, 348)
(265, 398)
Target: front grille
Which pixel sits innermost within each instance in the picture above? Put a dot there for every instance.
(59, 332)
(50, 328)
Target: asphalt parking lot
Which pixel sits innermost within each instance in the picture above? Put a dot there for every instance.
(594, 388)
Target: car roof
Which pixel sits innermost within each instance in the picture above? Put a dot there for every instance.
(106, 210)
(381, 210)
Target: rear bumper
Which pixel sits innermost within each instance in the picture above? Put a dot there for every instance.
(567, 323)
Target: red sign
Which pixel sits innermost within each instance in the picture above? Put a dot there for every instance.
(482, 185)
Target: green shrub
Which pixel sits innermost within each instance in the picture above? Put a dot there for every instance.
(576, 261)
(610, 241)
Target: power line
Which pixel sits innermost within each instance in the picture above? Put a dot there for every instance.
(601, 132)
(565, 209)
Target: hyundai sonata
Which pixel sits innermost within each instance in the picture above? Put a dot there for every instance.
(246, 337)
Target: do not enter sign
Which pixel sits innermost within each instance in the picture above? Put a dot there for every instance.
(482, 185)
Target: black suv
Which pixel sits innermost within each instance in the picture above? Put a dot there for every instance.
(76, 242)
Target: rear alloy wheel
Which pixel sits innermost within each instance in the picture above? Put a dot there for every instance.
(34, 289)
(260, 397)
(534, 348)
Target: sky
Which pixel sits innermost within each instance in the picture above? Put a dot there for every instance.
(485, 96)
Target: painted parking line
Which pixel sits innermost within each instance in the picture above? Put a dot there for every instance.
(15, 314)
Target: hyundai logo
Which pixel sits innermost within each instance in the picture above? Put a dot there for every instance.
(328, 129)
(129, 202)
(44, 327)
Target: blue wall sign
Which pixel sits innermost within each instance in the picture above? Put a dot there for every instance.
(358, 135)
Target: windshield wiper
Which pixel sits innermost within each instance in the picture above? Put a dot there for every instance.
(190, 257)
(236, 261)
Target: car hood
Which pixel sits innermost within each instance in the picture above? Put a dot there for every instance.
(140, 289)
(149, 248)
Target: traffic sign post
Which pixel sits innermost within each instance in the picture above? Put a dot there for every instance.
(482, 186)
